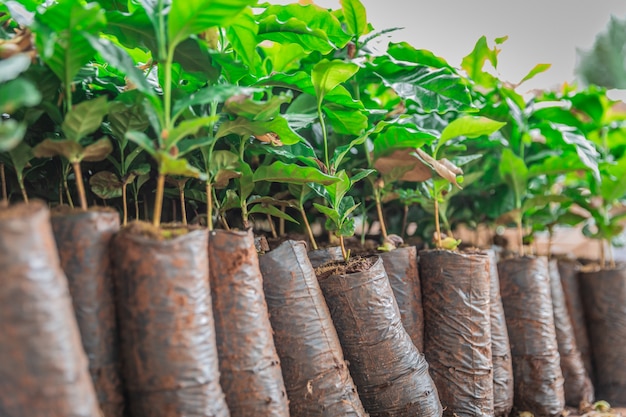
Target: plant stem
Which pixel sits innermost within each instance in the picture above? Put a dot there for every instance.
(244, 215)
(344, 253)
(125, 205)
(158, 202)
(405, 218)
(437, 227)
(209, 205)
(320, 115)
(281, 222)
(80, 185)
(167, 88)
(602, 258)
(68, 97)
(379, 211)
(308, 228)
(520, 237)
(183, 206)
(550, 240)
(272, 226)
(5, 197)
(20, 181)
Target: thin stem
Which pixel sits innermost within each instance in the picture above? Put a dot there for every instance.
(125, 205)
(405, 218)
(183, 206)
(209, 205)
(320, 115)
(158, 202)
(344, 253)
(550, 241)
(244, 215)
(437, 227)
(308, 228)
(272, 226)
(224, 222)
(167, 88)
(145, 206)
(5, 196)
(281, 222)
(68, 97)
(520, 237)
(20, 181)
(67, 193)
(602, 257)
(80, 185)
(379, 210)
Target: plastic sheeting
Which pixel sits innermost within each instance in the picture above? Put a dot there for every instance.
(457, 332)
(316, 375)
(500, 347)
(401, 267)
(168, 346)
(391, 375)
(568, 271)
(43, 370)
(605, 308)
(577, 385)
(527, 301)
(83, 239)
(250, 368)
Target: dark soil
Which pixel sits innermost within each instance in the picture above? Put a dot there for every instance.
(354, 264)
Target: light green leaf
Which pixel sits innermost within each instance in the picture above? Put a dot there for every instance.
(13, 66)
(396, 137)
(186, 128)
(257, 110)
(11, 134)
(18, 93)
(211, 94)
(272, 211)
(246, 128)
(242, 35)
(537, 69)
(345, 121)
(327, 75)
(468, 126)
(294, 31)
(514, 172)
(169, 165)
(85, 118)
(143, 141)
(328, 212)
(614, 185)
(292, 174)
(191, 17)
(355, 17)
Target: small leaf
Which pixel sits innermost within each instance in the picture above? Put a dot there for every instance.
(98, 150)
(246, 128)
(355, 16)
(186, 128)
(468, 126)
(444, 168)
(292, 174)
(537, 69)
(106, 185)
(272, 211)
(85, 118)
(403, 160)
(143, 141)
(326, 75)
(328, 212)
(21, 155)
(241, 105)
(168, 165)
(224, 167)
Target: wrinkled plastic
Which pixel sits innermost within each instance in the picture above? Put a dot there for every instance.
(83, 239)
(391, 375)
(500, 347)
(577, 385)
(401, 267)
(249, 365)
(321, 256)
(457, 331)
(316, 376)
(527, 302)
(568, 271)
(166, 325)
(605, 308)
(43, 367)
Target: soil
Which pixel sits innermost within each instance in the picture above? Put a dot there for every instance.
(164, 232)
(354, 264)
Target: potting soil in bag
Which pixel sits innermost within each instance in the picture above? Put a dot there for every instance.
(43, 367)
(83, 239)
(500, 347)
(316, 375)
(249, 365)
(527, 301)
(568, 271)
(391, 375)
(577, 385)
(168, 345)
(457, 329)
(401, 267)
(604, 299)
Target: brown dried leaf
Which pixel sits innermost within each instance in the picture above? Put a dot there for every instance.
(415, 170)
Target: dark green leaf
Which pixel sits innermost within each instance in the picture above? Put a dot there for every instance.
(106, 185)
(98, 150)
(272, 211)
(21, 155)
(514, 172)
(11, 134)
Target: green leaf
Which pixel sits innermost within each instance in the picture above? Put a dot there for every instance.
(211, 94)
(191, 17)
(242, 34)
(224, 167)
(18, 93)
(614, 185)
(537, 69)
(245, 180)
(106, 185)
(327, 75)
(474, 63)
(11, 134)
(257, 110)
(21, 155)
(246, 128)
(468, 126)
(98, 150)
(124, 117)
(396, 137)
(272, 211)
(283, 57)
(13, 66)
(119, 58)
(355, 17)
(143, 141)
(293, 30)
(403, 51)
(85, 118)
(169, 165)
(186, 128)
(345, 121)
(514, 172)
(60, 36)
(291, 173)
(328, 212)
